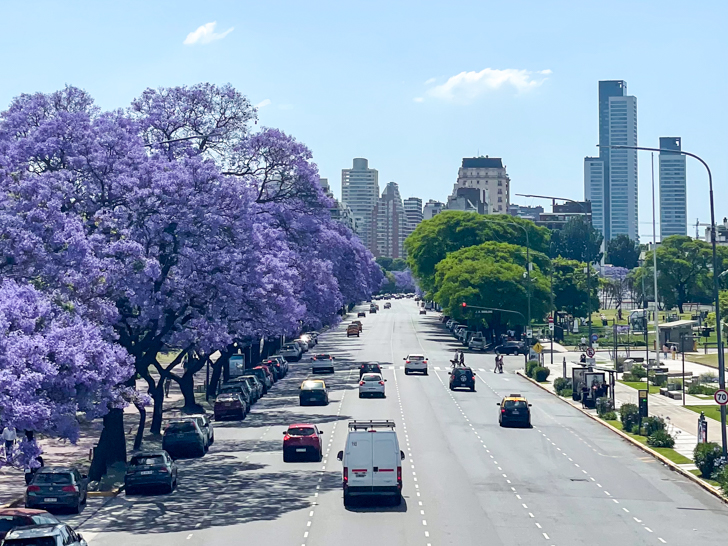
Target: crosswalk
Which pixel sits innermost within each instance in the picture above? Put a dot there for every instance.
(436, 368)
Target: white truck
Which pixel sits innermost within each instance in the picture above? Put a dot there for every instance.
(372, 462)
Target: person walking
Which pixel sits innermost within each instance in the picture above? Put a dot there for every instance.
(462, 358)
(9, 437)
(673, 350)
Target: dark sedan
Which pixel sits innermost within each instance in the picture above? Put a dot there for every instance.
(322, 363)
(512, 348)
(54, 488)
(150, 470)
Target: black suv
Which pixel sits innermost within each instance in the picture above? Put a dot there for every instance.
(512, 348)
(462, 377)
(371, 367)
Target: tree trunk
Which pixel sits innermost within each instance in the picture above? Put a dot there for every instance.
(187, 386)
(112, 445)
(217, 370)
(157, 394)
(142, 421)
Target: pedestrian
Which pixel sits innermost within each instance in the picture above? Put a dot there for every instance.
(9, 437)
(462, 358)
(497, 363)
(664, 351)
(674, 352)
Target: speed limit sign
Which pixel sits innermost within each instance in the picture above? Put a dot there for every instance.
(721, 397)
(590, 352)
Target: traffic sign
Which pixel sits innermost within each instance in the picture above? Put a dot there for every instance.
(551, 326)
(594, 337)
(551, 319)
(529, 332)
(590, 352)
(721, 397)
(538, 347)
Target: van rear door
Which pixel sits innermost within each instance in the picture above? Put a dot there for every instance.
(385, 459)
(359, 459)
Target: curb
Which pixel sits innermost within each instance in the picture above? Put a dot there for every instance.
(15, 503)
(113, 493)
(664, 460)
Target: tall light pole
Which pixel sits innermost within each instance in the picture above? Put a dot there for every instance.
(716, 286)
(588, 264)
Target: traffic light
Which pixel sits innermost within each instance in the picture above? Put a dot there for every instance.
(465, 304)
(642, 397)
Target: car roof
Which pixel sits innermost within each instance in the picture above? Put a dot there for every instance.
(514, 397)
(55, 469)
(149, 453)
(313, 381)
(23, 512)
(296, 425)
(34, 531)
(416, 354)
(465, 368)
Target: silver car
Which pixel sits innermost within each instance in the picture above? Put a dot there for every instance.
(477, 343)
(58, 534)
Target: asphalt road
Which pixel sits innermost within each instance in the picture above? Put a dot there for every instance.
(567, 480)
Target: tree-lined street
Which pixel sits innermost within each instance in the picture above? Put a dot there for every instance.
(567, 480)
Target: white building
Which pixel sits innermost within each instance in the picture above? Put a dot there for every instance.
(594, 190)
(360, 191)
(340, 211)
(388, 224)
(432, 208)
(488, 175)
(623, 167)
(413, 214)
(673, 189)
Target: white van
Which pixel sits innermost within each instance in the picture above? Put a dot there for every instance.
(372, 461)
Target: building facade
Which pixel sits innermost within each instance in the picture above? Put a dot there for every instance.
(387, 233)
(615, 206)
(673, 189)
(340, 212)
(360, 191)
(413, 213)
(469, 200)
(432, 208)
(528, 213)
(489, 177)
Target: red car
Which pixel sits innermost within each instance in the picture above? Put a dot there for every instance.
(304, 441)
(19, 517)
(267, 371)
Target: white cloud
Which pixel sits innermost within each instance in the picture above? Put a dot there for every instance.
(263, 103)
(206, 34)
(431, 80)
(418, 99)
(467, 86)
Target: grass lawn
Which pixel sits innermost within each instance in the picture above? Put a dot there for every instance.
(654, 389)
(707, 360)
(712, 411)
(666, 452)
(706, 480)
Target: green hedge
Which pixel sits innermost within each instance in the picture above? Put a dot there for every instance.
(530, 366)
(706, 456)
(660, 438)
(630, 416)
(541, 374)
(561, 383)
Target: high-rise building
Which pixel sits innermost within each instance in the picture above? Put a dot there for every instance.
(469, 200)
(360, 191)
(432, 208)
(526, 212)
(387, 231)
(673, 189)
(617, 126)
(488, 175)
(413, 214)
(339, 211)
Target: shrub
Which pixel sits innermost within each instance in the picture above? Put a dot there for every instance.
(561, 383)
(604, 405)
(629, 377)
(697, 388)
(566, 393)
(706, 456)
(630, 416)
(638, 371)
(540, 374)
(636, 429)
(722, 478)
(609, 416)
(653, 424)
(530, 366)
(660, 438)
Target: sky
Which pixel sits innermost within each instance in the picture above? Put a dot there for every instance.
(414, 86)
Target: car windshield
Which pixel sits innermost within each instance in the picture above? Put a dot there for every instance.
(226, 397)
(181, 427)
(147, 460)
(37, 541)
(289, 347)
(323, 356)
(516, 404)
(464, 373)
(53, 478)
(301, 431)
(371, 377)
(312, 385)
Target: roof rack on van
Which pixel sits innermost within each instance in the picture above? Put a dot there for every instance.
(368, 425)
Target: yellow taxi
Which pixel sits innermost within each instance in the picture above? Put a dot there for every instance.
(514, 409)
(313, 391)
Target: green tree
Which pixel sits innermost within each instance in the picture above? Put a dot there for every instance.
(578, 240)
(450, 231)
(569, 287)
(392, 264)
(623, 252)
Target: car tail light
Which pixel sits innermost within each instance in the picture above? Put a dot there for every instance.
(473, 378)
(346, 475)
(286, 437)
(163, 471)
(361, 383)
(503, 410)
(381, 382)
(407, 362)
(70, 489)
(33, 489)
(399, 475)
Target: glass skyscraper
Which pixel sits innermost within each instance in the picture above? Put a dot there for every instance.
(673, 189)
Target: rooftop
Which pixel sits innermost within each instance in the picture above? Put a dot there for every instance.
(482, 163)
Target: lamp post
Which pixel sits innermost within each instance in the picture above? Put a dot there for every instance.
(721, 356)
(588, 264)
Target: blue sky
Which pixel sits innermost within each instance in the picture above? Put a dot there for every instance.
(380, 80)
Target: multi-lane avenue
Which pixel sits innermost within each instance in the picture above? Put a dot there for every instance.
(566, 481)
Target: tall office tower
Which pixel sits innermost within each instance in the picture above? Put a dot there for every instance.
(617, 126)
(413, 213)
(432, 208)
(673, 189)
(388, 224)
(339, 211)
(360, 190)
(488, 175)
(594, 190)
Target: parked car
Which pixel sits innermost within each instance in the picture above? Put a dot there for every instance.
(183, 437)
(251, 387)
(203, 421)
(361, 314)
(387, 305)
(323, 363)
(275, 367)
(283, 362)
(242, 389)
(309, 339)
(10, 518)
(255, 385)
(465, 336)
(302, 440)
(291, 352)
(371, 384)
(511, 348)
(359, 324)
(263, 377)
(415, 363)
(369, 367)
(313, 391)
(150, 470)
(268, 372)
(352, 330)
(477, 343)
(58, 534)
(303, 344)
(54, 488)
(230, 405)
(514, 409)
(462, 377)
(372, 463)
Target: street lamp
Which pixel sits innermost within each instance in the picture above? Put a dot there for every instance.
(716, 286)
(588, 265)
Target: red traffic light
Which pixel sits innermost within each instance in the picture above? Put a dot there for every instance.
(465, 304)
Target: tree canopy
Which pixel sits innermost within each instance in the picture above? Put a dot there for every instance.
(570, 288)
(623, 252)
(578, 240)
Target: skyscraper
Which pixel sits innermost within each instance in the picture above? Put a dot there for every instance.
(413, 214)
(594, 190)
(360, 190)
(617, 126)
(489, 177)
(388, 224)
(673, 189)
